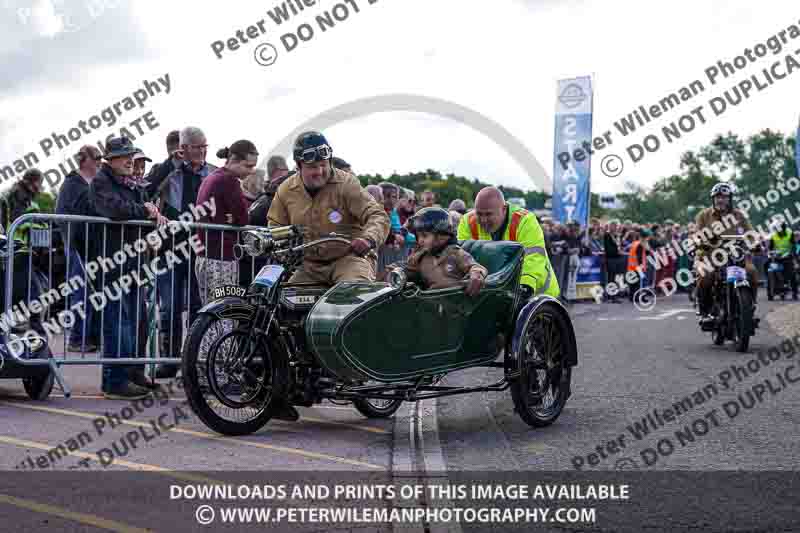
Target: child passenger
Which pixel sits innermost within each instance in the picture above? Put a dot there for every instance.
(439, 262)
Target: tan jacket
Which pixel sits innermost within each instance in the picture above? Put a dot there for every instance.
(717, 223)
(341, 206)
(447, 269)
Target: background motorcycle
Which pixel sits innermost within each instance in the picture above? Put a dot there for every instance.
(733, 299)
(37, 379)
(777, 284)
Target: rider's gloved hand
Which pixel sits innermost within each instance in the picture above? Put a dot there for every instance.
(361, 246)
(474, 284)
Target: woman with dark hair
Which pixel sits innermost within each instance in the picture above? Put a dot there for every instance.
(217, 264)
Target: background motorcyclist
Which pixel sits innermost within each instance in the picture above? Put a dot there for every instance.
(782, 242)
(711, 219)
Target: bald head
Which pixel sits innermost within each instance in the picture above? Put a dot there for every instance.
(490, 208)
(489, 196)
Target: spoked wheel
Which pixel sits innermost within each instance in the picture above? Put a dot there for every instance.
(377, 408)
(542, 389)
(229, 381)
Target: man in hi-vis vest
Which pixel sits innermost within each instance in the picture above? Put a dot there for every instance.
(782, 242)
(494, 219)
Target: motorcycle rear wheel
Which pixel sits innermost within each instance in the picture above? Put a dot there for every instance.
(376, 408)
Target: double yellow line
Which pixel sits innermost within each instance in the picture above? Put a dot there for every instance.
(112, 525)
(211, 436)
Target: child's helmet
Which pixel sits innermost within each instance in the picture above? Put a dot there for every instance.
(433, 220)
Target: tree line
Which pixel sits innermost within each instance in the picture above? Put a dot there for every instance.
(755, 165)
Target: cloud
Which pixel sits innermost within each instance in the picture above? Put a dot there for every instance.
(47, 44)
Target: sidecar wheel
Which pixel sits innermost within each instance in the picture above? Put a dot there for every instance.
(374, 408)
(205, 382)
(541, 391)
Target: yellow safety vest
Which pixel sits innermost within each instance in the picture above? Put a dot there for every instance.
(522, 227)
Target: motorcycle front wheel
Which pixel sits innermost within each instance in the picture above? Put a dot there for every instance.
(229, 397)
(744, 320)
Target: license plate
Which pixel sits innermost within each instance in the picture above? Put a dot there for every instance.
(301, 299)
(228, 290)
(736, 274)
(269, 275)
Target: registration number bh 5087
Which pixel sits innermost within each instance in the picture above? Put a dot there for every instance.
(229, 290)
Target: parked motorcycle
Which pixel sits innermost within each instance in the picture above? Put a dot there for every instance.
(777, 284)
(24, 357)
(733, 299)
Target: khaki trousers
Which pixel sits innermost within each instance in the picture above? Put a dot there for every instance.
(347, 268)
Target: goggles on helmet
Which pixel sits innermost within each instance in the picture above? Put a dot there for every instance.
(318, 153)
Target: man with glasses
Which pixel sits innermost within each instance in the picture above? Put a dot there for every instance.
(324, 199)
(73, 199)
(176, 182)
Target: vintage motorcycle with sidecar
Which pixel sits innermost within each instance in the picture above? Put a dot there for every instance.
(374, 344)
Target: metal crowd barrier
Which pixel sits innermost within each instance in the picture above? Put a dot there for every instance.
(95, 231)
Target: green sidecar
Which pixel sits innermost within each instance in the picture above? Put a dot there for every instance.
(374, 344)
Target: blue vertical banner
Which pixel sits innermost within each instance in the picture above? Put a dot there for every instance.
(797, 148)
(571, 179)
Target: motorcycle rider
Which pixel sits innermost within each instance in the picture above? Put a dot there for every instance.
(324, 199)
(781, 241)
(713, 217)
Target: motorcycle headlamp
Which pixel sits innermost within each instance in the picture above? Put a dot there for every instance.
(24, 346)
(397, 278)
(253, 244)
(738, 255)
(35, 343)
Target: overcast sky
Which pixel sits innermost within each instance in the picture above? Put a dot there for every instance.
(66, 60)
